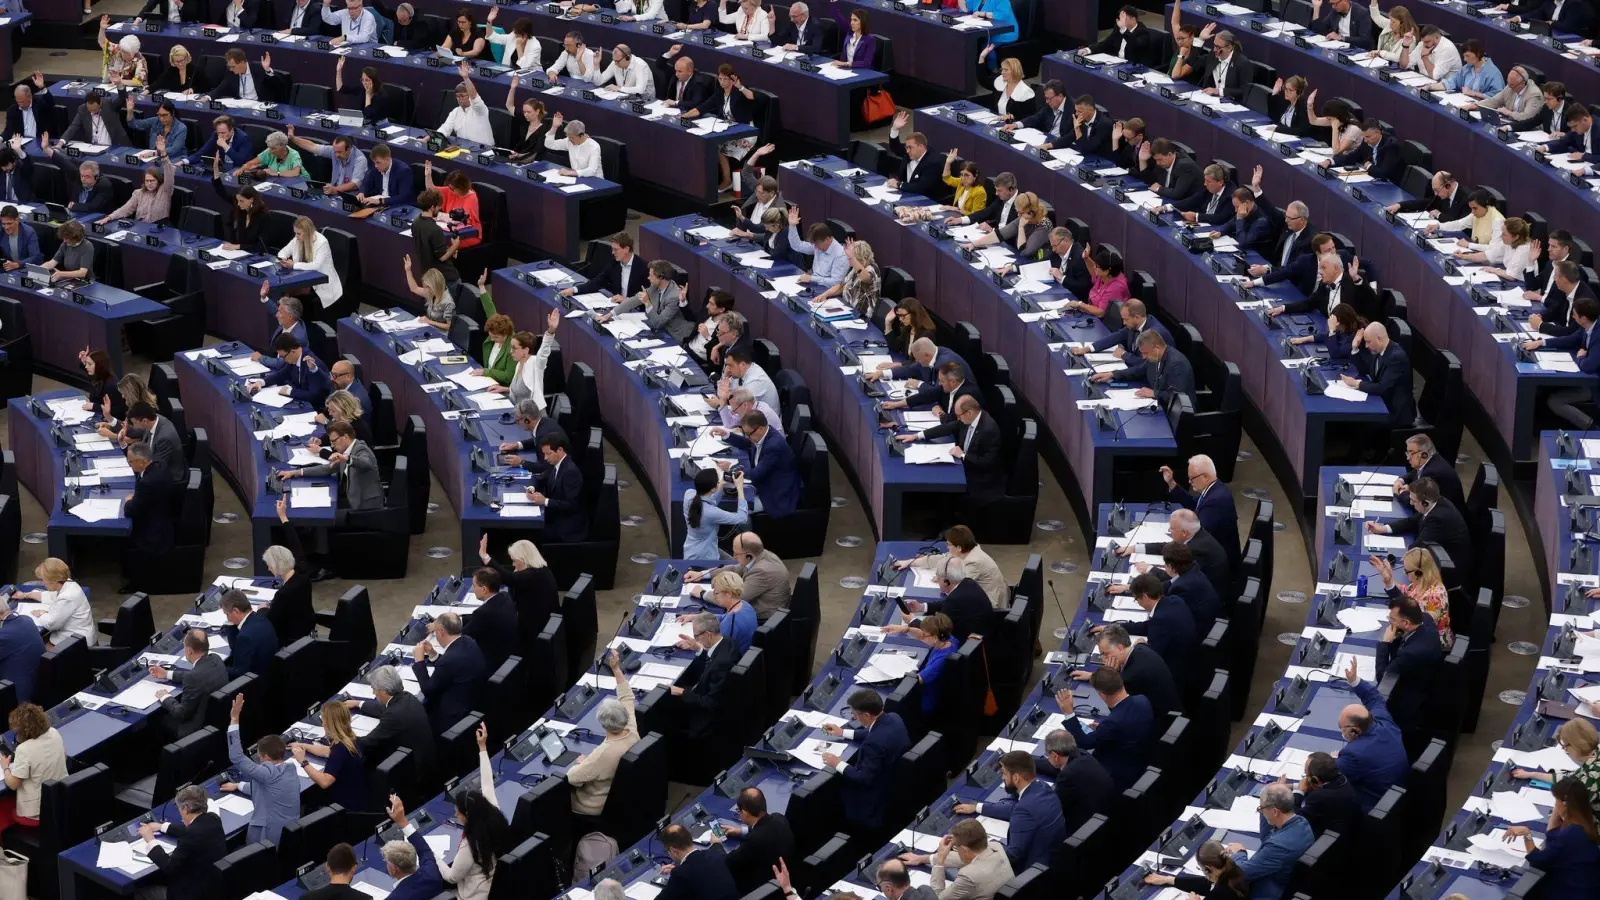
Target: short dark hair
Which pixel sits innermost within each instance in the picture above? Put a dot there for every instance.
(342, 429)
(1056, 87)
(1409, 610)
(554, 441)
(1587, 307)
(1372, 125)
(142, 412)
(818, 231)
(1481, 197)
(1577, 111)
(429, 199)
(1427, 489)
(10, 212)
(286, 343)
(1162, 147)
(341, 859)
(489, 577)
(1473, 46)
(271, 747)
(1555, 89)
(1106, 680)
(235, 56)
(754, 419)
(752, 801)
(1322, 766)
(739, 356)
(1145, 585)
(1177, 556)
(1019, 762)
(950, 368)
(867, 701)
(622, 239)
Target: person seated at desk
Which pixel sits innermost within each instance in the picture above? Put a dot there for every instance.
(935, 633)
(631, 73)
(1292, 110)
(459, 201)
(1249, 226)
(1581, 742)
(180, 74)
(1209, 205)
(1226, 71)
(411, 31)
(984, 867)
(310, 250)
(799, 34)
(146, 425)
(533, 589)
(1211, 500)
(688, 89)
(927, 358)
(1082, 785)
(1425, 589)
(304, 19)
(1285, 837)
(737, 622)
(1478, 76)
(278, 160)
(1433, 522)
(245, 220)
(1028, 234)
(1385, 371)
(164, 123)
(1167, 371)
(1410, 652)
(1377, 155)
(1091, 135)
(378, 104)
(226, 141)
(290, 321)
(530, 354)
(1552, 110)
(766, 579)
(576, 60)
(349, 166)
(245, 80)
(74, 259)
(66, 610)
(290, 610)
(1570, 857)
(740, 371)
(356, 468)
(103, 396)
(1130, 40)
(93, 193)
(695, 874)
(1324, 796)
(411, 862)
(1436, 58)
(736, 104)
(699, 687)
(186, 713)
(1519, 101)
(1374, 757)
(765, 841)
(907, 323)
(19, 244)
(1345, 21)
(120, 61)
(971, 197)
(356, 24)
(1544, 285)
(21, 646)
(1144, 672)
(1032, 808)
(463, 38)
(750, 22)
(583, 154)
(771, 465)
(1294, 240)
(300, 377)
(1585, 310)
(459, 671)
(387, 179)
(241, 14)
(402, 721)
(559, 490)
(438, 304)
(1122, 740)
(621, 276)
(469, 119)
(190, 868)
(918, 176)
(251, 638)
(661, 301)
(494, 623)
(592, 773)
(528, 127)
(497, 330)
(1303, 269)
(829, 265)
(731, 337)
(978, 449)
(980, 566)
(152, 202)
(962, 601)
(1509, 254)
(272, 784)
(31, 114)
(1220, 877)
(485, 833)
(341, 866)
(1344, 337)
(894, 882)
(883, 739)
(1189, 54)
(998, 212)
(151, 509)
(1128, 139)
(521, 48)
(1170, 627)
(705, 518)
(1051, 117)
(1423, 461)
(92, 125)
(1337, 283)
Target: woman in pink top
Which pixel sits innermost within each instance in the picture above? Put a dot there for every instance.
(1106, 281)
(153, 201)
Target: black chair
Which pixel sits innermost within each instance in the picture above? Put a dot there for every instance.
(596, 555)
(62, 672)
(582, 626)
(308, 840)
(69, 811)
(376, 543)
(776, 639)
(803, 532)
(350, 627)
(192, 758)
(805, 616)
(1009, 520)
(248, 870)
(124, 635)
(529, 869)
(630, 814)
(16, 374)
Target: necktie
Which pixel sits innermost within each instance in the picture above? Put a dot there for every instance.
(755, 457)
(1288, 248)
(1333, 296)
(1212, 206)
(1055, 129)
(966, 440)
(681, 86)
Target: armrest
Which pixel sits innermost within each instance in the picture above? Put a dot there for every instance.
(106, 626)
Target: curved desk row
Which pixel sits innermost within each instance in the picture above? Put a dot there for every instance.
(58, 463)
(828, 358)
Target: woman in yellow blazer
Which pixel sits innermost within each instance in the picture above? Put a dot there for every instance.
(971, 196)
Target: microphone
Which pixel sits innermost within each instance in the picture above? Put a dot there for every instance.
(1060, 633)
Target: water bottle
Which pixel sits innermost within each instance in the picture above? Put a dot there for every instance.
(1361, 586)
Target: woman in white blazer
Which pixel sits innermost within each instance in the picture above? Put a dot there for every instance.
(527, 382)
(310, 250)
(66, 612)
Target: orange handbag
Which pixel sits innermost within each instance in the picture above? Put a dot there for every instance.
(877, 106)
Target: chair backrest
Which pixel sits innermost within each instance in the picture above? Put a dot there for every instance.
(248, 870)
(547, 673)
(308, 840)
(504, 712)
(71, 809)
(638, 790)
(134, 623)
(192, 758)
(353, 626)
(805, 616)
(529, 869)
(288, 694)
(62, 672)
(776, 640)
(582, 626)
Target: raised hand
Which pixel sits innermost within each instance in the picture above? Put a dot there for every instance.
(902, 118)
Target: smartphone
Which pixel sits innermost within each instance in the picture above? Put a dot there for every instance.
(716, 829)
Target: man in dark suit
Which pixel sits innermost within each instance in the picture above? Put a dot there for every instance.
(1170, 628)
(1091, 135)
(927, 358)
(188, 10)
(1035, 814)
(695, 874)
(950, 386)
(1378, 154)
(772, 468)
(1144, 672)
(919, 172)
(245, 80)
(1121, 741)
(1083, 786)
(303, 18)
(291, 321)
(624, 275)
(1335, 285)
(16, 174)
(1446, 200)
(1174, 175)
(764, 839)
(963, 600)
(1303, 269)
(1565, 402)
(705, 677)
(1545, 286)
(494, 624)
(1191, 585)
(88, 191)
(1294, 233)
(1249, 225)
(189, 869)
(1166, 371)
(341, 866)
(388, 181)
(800, 32)
(1386, 371)
(411, 862)
(688, 89)
(978, 446)
(1210, 205)
(92, 121)
(1184, 528)
(1133, 42)
(1324, 796)
(1423, 461)
(30, 116)
(186, 713)
(1226, 71)
(19, 243)
(153, 510)
(1000, 209)
(1124, 342)
(1433, 522)
(1564, 16)
(1211, 500)
(883, 741)
(1346, 21)
(1051, 118)
(300, 376)
(166, 447)
(1066, 263)
(456, 682)
(560, 491)
(530, 415)
(1409, 654)
(402, 721)
(251, 639)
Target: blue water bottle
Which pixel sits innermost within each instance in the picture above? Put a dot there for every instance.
(1361, 586)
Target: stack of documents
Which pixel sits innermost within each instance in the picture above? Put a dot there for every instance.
(98, 510)
(311, 497)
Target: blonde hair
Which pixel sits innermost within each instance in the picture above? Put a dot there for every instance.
(729, 583)
(53, 570)
(1029, 208)
(526, 553)
(1518, 229)
(344, 406)
(433, 280)
(306, 233)
(1428, 576)
(1011, 66)
(336, 725)
(179, 53)
(1580, 735)
(862, 252)
(134, 389)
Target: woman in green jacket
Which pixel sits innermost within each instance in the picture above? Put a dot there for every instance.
(497, 361)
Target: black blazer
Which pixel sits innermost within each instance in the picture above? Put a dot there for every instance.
(1360, 296)
(703, 875)
(1095, 139)
(968, 608)
(1145, 673)
(43, 115)
(171, 80)
(1196, 592)
(767, 841)
(1412, 660)
(291, 613)
(1171, 634)
(1182, 182)
(1298, 242)
(1331, 807)
(101, 198)
(1386, 162)
(815, 41)
(1558, 310)
(743, 110)
(1240, 73)
(1200, 204)
(1444, 475)
(985, 470)
(190, 869)
(268, 87)
(928, 177)
(253, 645)
(192, 11)
(310, 22)
(1299, 122)
(702, 682)
(401, 724)
(100, 390)
(1083, 787)
(1361, 34)
(1445, 526)
(1450, 208)
(153, 511)
(1143, 46)
(535, 596)
(494, 626)
(1074, 274)
(525, 144)
(1172, 374)
(1389, 377)
(566, 520)
(186, 711)
(1209, 557)
(455, 684)
(696, 94)
(610, 279)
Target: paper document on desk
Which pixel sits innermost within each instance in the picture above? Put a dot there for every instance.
(271, 396)
(554, 176)
(234, 803)
(1338, 390)
(921, 841)
(472, 382)
(140, 695)
(124, 856)
(1379, 543)
(1031, 137)
(487, 401)
(923, 454)
(810, 752)
(691, 404)
(1556, 361)
(1492, 849)
(311, 497)
(1362, 619)
(97, 510)
(245, 366)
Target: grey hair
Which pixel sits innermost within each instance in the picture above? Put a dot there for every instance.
(1225, 37)
(954, 571)
(524, 551)
(575, 128)
(277, 140)
(23, 90)
(401, 855)
(1204, 464)
(740, 396)
(610, 889)
(612, 716)
(923, 345)
(530, 409)
(1116, 635)
(1326, 258)
(93, 168)
(192, 799)
(706, 623)
(1061, 742)
(293, 305)
(1423, 443)
(139, 450)
(449, 623)
(735, 320)
(1185, 521)
(800, 6)
(1299, 210)
(1279, 797)
(278, 559)
(386, 679)
(405, 8)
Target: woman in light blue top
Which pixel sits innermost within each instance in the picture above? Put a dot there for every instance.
(1000, 15)
(703, 515)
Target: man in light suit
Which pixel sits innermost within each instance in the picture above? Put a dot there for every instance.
(772, 465)
(186, 713)
(560, 491)
(977, 448)
(985, 868)
(356, 467)
(145, 424)
(1034, 812)
(661, 301)
(1226, 71)
(458, 675)
(272, 784)
(766, 579)
(1211, 500)
(705, 677)
(883, 741)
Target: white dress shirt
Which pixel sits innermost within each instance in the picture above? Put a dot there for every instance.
(755, 27)
(567, 64)
(527, 58)
(634, 78)
(643, 10)
(470, 122)
(582, 158)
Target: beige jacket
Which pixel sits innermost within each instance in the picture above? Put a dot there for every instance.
(591, 776)
(981, 568)
(766, 583)
(463, 871)
(977, 880)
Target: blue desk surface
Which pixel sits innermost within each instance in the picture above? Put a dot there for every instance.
(49, 485)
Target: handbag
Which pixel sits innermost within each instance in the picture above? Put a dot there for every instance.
(877, 106)
(13, 876)
(990, 705)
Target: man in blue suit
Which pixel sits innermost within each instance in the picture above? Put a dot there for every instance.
(272, 783)
(772, 466)
(388, 181)
(1033, 810)
(1211, 500)
(560, 492)
(1386, 372)
(410, 862)
(1190, 584)
(694, 874)
(1285, 837)
(1124, 342)
(1346, 21)
(1410, 654)
(289, 316)
(1249, 225)
(1209, 206)
(459, 671)
(1374, 756)
(1121, 741)
(1378, 154)
(233, 144)
(883, 741)
(1165, 370)
(1564, 403)
(251, 641)
(1170, 627)
(20, 649)
(300, 376)
(19, 243)
(344, 378)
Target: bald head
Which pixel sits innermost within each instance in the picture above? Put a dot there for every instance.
(1377, 337)
(967, 405)
(1354, 720)
(684, 68)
